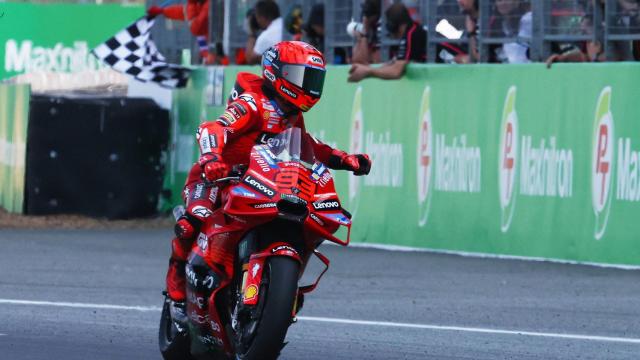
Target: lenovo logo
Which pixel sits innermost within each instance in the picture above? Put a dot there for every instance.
(262, 188)
(288, 92)
(326, 205)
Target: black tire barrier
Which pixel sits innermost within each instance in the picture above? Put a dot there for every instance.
(101, 157)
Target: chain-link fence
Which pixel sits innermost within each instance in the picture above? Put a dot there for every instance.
(480, 30)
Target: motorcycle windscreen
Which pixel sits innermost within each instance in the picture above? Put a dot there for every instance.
(292, 145)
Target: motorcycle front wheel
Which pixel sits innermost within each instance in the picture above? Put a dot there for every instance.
(280, 294)
(174, 342)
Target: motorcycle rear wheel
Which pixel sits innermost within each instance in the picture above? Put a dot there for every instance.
(174, 344)
(276, 315)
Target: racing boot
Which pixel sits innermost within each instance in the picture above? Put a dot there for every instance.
(176, 288)
(185, 230)
(176, 278)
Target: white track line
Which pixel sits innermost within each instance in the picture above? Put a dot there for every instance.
(471, 329)
(346, 321)
(481, 255)
(80, 305)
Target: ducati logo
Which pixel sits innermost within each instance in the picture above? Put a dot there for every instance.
(508, 159)
(356, 147)
(425, 158)
(602, 162)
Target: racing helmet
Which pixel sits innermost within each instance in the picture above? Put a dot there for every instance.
(296, 72)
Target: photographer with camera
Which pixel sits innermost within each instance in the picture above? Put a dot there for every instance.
(367, 45)
(267, 18)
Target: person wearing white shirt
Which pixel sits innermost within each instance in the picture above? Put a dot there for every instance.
(267, 15)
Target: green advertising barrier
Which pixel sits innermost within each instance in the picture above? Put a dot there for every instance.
(57, 37)
(188, 111)
(512, 160)
(14, 116)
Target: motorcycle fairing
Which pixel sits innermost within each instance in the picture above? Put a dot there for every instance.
(256, 266)
(204, 283)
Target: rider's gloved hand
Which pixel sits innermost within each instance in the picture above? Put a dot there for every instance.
(155, 11)
(213, 167)
(184, 229)
(360, 164)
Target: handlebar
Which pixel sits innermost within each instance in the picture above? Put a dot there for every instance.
(219, 181)
(225, 179)
(234, 175)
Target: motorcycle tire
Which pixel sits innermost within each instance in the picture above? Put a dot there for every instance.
(174, 344)
(276, 315)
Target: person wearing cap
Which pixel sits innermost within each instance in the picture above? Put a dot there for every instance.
(413, 47)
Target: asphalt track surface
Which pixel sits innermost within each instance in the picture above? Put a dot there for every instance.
(95, 295)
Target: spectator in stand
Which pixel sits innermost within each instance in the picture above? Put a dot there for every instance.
(314, 27)
(512, 18)
(470, 9)
(581, 51)
(627, 19)
(197, 12)
(451, 11)
(459, 14)
(626, 15)
(294, 22)
(587, 51)
(367, 45)
(412, 47)
(314, 34)
(267, 16)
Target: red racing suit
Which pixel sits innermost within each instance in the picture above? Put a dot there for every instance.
(251, 117)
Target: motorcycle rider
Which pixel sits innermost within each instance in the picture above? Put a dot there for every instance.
(259, 108)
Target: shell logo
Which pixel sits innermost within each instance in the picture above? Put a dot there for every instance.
(508, 159)
(251, 293)
(425, 158)
(602, 162)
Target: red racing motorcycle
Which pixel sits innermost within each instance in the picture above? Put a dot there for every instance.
(273, 217)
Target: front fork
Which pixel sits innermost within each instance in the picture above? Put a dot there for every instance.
(252, 273)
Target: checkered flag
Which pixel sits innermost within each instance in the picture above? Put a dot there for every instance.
(133, 52)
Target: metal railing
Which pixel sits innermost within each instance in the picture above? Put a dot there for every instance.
(540, 27)
(622, 25)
